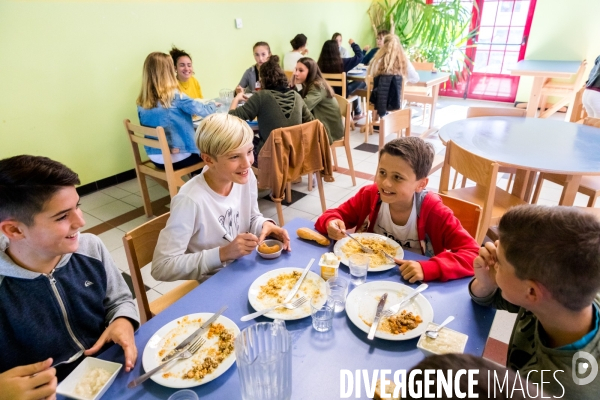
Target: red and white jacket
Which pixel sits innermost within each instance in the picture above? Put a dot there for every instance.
(451, 248)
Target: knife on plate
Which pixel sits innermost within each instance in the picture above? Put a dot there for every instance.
(395, 308)
(181, 346)
(375, 323)
(294, 290)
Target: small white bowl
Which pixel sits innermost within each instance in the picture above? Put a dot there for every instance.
(67, 386)
(270, 243)
(448, 341)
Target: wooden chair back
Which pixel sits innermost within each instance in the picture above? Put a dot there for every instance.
(139, 248)
(173, 179)
(579, 112)
(394, 122)
(482, 171)
(423, 66)
(469, 214)
(289, 75)
(346, 114)
(591, 121)
(337, 80)
(473, 112)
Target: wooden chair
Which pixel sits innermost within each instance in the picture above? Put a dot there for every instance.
(469, 214)
(566, 91)
(394, 122)
(589, 185)
(579, 114)
(421, 95)
(169, 178)
(340, 80)
(346, 113)
(473, 112)
(493, 200)
(139, 247)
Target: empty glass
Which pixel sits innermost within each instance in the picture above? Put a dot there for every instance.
(358, 264)
(322, 312)
(226, 96)
(185, 394)
(263, 355)
(337, 288)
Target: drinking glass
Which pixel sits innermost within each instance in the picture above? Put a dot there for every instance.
(263, 353)
(337, 287)
(358, 264)
(322, 312)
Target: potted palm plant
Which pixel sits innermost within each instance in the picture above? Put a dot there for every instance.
(437, 33)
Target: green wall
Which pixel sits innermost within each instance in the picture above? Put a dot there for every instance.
(562, 30)
(70, 71)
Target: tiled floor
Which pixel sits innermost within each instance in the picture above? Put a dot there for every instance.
(115, 210)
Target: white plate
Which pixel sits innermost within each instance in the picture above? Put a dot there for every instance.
(337, 250)
(361, 304)
(175, 334)
(355, 72)
(311, 283)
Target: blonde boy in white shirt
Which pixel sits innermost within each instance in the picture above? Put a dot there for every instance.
(215, 217)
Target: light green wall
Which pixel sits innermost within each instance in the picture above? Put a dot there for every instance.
(70, 71)
(562, 30)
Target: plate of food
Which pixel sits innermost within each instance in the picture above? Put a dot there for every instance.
(215, 357)
(345, 247)
(410, 322)
(271, 288)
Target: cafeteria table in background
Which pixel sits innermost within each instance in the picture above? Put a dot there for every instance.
(317, 358)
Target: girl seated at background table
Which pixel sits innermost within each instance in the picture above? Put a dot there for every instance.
(188, 83)
(160, 103)
(390, 62)
(330, 62)
(338, 39)
(215, 217)
(250, 81)
(299, 50)
(275, 106)
(369, 54)
(319, 97)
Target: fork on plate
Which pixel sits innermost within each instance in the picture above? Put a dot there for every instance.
(290, 306)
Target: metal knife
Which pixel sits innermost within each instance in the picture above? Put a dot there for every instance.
(181, 346)
(294, 290)
(394, 309)
(375, 323)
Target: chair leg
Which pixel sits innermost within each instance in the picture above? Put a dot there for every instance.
(367, 125)
(593, 200)
(321, 191)
(334, 156)
(464, 182)
(288, 192)
(381, 138)
(310, 182)
(350, 163)
(279, 213)
(454, 181)
(510, 178)
(538, 188)
(145, 194)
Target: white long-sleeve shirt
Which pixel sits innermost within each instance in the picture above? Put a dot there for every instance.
(188, 247)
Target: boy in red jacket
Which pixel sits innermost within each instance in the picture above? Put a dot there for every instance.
(398, 206)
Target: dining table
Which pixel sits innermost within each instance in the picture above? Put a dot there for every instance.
(317, 357)
(541, 70)
(531, 145)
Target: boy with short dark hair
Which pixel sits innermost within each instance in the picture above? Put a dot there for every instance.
(546, 267)
(60, 291)
(398, 206)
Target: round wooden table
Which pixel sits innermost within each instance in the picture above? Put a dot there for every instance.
(530, 145)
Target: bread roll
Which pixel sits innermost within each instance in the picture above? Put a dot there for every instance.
(309, 234)
(266, 249)
(389, 389)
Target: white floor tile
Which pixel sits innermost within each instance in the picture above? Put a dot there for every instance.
(366, 167)
(157, 192)
(134, 223)
(120, 258)
(311, 205)
(111, 210)
(147, 277)
(165, 287)
(90, 221)
(95, 200)
(112, 239)
(268, 208)
(115, 192)
(332, 192)
(342, 161)
(345, 181)
(291, 213)
(358, 155)
(152, 295)
(133, 199)
(132, 186)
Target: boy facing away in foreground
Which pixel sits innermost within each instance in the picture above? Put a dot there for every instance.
(546, 267)
(60, 291)
(215, 216)
(398, 206)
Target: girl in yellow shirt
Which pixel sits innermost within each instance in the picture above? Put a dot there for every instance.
(188, 84)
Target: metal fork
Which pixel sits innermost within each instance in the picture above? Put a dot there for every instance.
(364, 248)
(290, 306)
(187, 353)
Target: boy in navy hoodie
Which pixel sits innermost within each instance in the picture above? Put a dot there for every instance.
(60, 291)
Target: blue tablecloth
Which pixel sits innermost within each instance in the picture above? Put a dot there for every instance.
(317, 357)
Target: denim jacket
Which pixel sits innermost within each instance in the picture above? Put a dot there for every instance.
(176, 121)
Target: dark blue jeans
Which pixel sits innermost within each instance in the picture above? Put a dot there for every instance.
(351, 87)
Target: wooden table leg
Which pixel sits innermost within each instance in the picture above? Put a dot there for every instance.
(534, 97)
(521, 182)
(434, 94)
(567, 197)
